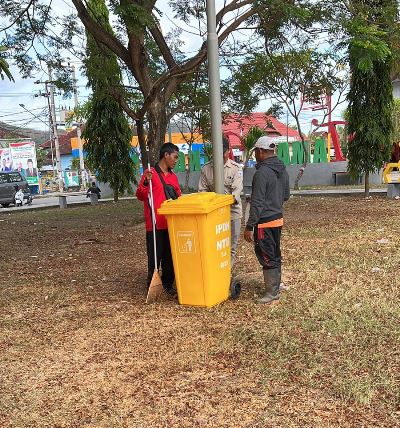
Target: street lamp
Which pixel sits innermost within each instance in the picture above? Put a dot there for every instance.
(34, 116)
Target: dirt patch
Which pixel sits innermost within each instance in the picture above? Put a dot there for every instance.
(80, 348)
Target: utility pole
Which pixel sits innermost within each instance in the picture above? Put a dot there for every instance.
(215, 97)
(49, 84)
(78, 133)
(51, 142)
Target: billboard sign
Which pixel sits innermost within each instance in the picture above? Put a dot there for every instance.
(23, 157)
(5, 160)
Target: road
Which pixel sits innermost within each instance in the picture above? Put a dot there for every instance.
(41, 202)
(47, 201)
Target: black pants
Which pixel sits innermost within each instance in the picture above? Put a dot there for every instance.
(164, 257)
(267, 245)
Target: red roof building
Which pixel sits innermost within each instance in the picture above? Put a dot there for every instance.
(64, 141)
(235, 127)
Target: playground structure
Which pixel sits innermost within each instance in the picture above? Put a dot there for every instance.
(391, 176)
(333, 137)
(391, 173)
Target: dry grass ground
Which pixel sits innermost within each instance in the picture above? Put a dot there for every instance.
(79, 348)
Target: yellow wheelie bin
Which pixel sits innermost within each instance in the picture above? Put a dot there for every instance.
(199, 230)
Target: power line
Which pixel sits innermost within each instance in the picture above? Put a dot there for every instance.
(20, 112)
(22, 127)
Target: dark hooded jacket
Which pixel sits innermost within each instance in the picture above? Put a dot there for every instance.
(270, 189)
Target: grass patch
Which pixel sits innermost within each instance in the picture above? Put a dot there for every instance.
(80, 347)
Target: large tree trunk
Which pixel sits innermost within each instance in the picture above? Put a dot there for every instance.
(157, 119)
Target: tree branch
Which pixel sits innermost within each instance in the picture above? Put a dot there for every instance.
(186, 68)
(162, 45)
(100, 34)
(118, 96)
(31, 2)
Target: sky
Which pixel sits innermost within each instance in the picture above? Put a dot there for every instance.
(34, 113)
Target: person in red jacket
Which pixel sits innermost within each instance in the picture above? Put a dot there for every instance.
(165, 186)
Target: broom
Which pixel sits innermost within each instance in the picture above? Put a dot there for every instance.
(155, 287)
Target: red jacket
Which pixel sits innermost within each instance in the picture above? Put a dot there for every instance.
(143, 194)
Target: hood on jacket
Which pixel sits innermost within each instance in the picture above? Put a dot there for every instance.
(273, 163)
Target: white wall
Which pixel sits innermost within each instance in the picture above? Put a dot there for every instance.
(396, 88)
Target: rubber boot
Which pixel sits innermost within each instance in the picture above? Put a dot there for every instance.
(272, 282)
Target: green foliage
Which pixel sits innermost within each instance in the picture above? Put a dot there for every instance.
(396, 121)
(157, 76)
(367, 45)
(192, 103)
(249, 141)
(135, 16)
(107, 132)
(343, 137)
(4, 67)
(371, 95)
(276, 110)
(207, 150)
(108, 135)
(283, 76)
(40, 156)
(75, 164)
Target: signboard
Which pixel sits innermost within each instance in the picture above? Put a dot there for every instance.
(5, 160)
(23, 157)
(71, 179)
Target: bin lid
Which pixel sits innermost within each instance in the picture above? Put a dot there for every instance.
(195, 203)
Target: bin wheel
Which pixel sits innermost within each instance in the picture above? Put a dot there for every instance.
(235, 289)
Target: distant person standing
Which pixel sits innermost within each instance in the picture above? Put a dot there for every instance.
(30, 171)
(93, 190)
(270, 188)
(19, 196)
(233, 183)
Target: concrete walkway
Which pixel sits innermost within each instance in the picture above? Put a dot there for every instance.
(51, 200)
(338, 192)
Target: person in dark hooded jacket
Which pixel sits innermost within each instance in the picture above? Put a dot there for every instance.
(270, 188)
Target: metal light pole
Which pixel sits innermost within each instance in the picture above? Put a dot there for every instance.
(78, 133)
(50, 89)
(215, 97)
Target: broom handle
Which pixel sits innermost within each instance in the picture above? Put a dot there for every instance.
(153, 218)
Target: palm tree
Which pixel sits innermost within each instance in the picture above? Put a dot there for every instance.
(249, 141)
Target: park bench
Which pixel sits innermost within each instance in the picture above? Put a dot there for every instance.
(62, 198)
(342, 178)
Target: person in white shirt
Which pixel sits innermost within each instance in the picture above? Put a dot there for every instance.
(233, 185)
(19, 197)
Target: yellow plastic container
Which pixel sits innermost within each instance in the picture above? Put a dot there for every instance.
(199, 230)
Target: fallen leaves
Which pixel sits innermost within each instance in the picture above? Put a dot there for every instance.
(80, 347)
